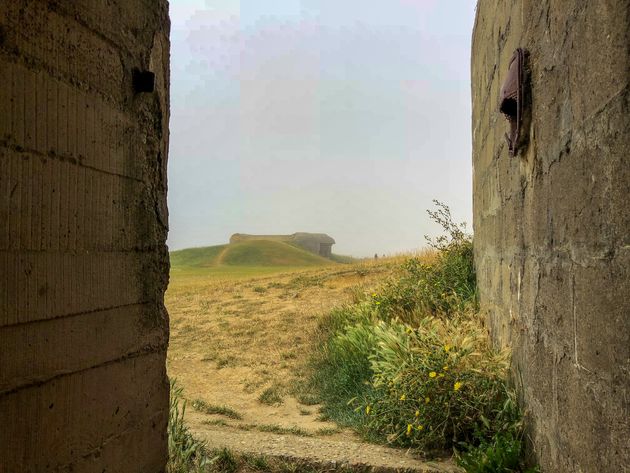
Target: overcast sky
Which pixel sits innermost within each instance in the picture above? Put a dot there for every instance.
(338, 116)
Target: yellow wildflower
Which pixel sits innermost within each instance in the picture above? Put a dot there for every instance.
(420, 427)
(432, 374)
(457, 386)
(445, 367)
(409, 427)
(447, 348)
(417, 413)
(374, 295)
(403, 397)
(367, 410)
(378, 303)
(427, 400)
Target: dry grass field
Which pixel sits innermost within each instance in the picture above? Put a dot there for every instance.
(240, 339)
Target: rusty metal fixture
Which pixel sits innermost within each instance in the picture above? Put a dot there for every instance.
(512, 99)
(143, 81)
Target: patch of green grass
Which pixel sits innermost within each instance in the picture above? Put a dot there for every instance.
(275, 429)
(305, 397)
(196, 257)
(305, 412)
(185, 453)
(272, 396)
(213, 409)
(269, 253)
(246, 427)
(254, 253)
(257, 462)
(260, 289)
(224, 461)
(340, 371)
(502, 453)
(278, 429)
(328, 431)
(323, 417)
(217, 422)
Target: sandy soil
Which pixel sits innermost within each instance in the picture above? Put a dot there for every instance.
(242, 343)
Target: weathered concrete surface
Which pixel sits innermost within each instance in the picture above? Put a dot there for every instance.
(552, 226)
(83, 222)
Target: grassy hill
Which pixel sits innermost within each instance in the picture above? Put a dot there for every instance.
(255, 253)
(197, 257)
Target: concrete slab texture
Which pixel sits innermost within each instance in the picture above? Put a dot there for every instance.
(552, 227)
(83, 222)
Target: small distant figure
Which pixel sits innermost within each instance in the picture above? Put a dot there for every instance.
(375, 256)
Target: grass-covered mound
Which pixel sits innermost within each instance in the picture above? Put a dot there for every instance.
(197, 257)
(253, 253)
(411, 365)
(269, 253)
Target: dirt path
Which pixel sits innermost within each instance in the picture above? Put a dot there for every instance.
(221, 256)
(237, 347)
(336, 452)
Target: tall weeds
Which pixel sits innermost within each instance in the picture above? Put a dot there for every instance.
(186, 454)
(411, 365)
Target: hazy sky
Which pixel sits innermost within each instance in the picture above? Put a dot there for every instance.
(338, 116)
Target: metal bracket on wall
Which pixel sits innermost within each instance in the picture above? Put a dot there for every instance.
(143, 81)
(512, 99)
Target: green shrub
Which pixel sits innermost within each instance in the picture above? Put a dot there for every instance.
(441, 288)
(434, 385)
(501, 454)
(444, 286)
(411, 364)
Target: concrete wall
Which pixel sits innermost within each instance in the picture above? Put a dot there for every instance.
(318, 243)
(325, 250)
(83, 222)
(552, 225)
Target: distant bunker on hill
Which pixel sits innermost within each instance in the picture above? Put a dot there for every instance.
(317, 243)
